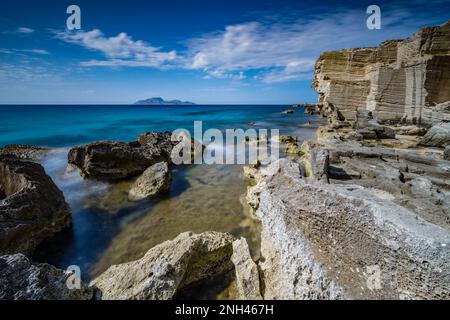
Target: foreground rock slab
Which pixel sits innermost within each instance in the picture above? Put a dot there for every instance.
(32, 208)
(22, 279)
(326, 241)
(168, 267)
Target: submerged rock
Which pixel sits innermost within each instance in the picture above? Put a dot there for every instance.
(22, 279)
(32, 208)
(153, 181)
(168, 267)
(247, 275)
(289, 111)
(438, 135)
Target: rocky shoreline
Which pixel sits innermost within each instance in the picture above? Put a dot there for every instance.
(368, 200)
(362, 212)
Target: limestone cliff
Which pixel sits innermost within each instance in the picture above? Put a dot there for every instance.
(401, 80)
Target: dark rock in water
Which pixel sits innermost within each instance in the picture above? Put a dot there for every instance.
(33, 208)
(289, 111)
(438, 135)
(107, 160)
(22, 279)
(153, 181)
(23, 152)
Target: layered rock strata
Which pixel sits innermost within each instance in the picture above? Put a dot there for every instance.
(400, 80)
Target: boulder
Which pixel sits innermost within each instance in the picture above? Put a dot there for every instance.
(107, 160)
(22, 279)
(154, 180)
(247, 276)
(168, 267)
(438, 135)
(32, 208)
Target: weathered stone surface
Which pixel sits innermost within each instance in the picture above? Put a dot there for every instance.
(400, 80)
(22, 279)
(447, 153)
(168, 267)
(321, 241)
(108, 160)
(23, 152)
(438, 135)
(32, 208)
(247, 275)
(154, 180)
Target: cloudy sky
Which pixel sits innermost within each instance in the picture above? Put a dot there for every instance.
(210, 52)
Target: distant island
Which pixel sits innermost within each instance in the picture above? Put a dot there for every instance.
(157, 101)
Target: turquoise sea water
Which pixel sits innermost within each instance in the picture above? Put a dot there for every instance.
(58, 126)
(107, 228)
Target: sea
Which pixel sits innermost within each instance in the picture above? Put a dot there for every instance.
(108, 229)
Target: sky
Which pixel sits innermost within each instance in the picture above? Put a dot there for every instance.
(208, 52)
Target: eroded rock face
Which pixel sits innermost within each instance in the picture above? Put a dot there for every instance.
(400, 80)
(22, 279)
(324, 241)
(168, 267)
(32, 208)
(438, 135)
(153, 181)
(247, 275)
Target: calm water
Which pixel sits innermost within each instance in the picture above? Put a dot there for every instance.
(107, 228)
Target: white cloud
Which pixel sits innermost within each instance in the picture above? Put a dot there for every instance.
(24, 30)
(120, 51)
(285, 49)
(21, 51)
(36, 51)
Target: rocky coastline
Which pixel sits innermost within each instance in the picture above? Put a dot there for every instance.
(362, 212)
(369, 198)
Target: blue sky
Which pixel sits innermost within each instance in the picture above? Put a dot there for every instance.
(209, 52)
